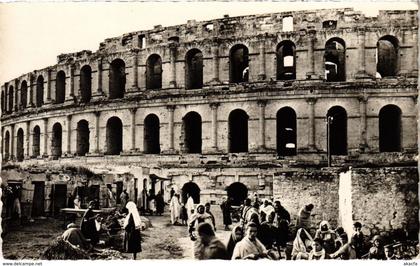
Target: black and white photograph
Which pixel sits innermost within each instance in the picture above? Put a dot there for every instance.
(271, 131)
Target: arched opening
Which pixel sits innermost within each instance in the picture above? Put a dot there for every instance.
(151, 134)
(335, 60)
(286, 132)
(36, 140)
(82, 137)
(39, 91)
(238, 131)
(190, 189)
(117, 79)
(237, 193)
(57, 138)
(60, 87)
(11, 96)
(114, 136)
(338, 130)
(19, 145)
(390, 129)
(194, 69)
(154, 72)
(239, 63)
(286, 57)
(191, 124)
(6, 145)
(23, 94)
(387, 56)
(85, 84)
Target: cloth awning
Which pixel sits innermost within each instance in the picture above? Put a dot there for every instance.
(156, 177)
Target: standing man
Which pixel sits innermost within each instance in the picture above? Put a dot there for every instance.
(226, 208)
(213, 221)
(175, 208)
(88, 225)
(359, 240)
(304, 217)
(190, 206)
(124, 200)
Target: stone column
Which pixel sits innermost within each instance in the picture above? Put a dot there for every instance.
(215, 55)
(361, 71)
(171, 109)
(133, 112)
(262, 75)
(214, 106)
(311, 60)
(48, 87)
(68, 117)
(12, 142)
(363, 123)
(27, 136)
(173, 49)
(69, 97)
(99, 91)
(97, 118)
(262, 104)
(311, 124)
(16, 96)
(135, 69)
(45, 121)
(32, 85)
(414, 57)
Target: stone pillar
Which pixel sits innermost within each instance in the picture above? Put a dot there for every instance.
(16, 96)
(311, 59)
(12, 142)
(215, 55)
(68, 151)
(414, 57)
(363, 123)
(361, 71)
(262, 75)
(311, 124)
(69, 97)
(27, 136)
(32, 85)
(97, 118)
(135, 69)
(99, 90)
(173, 50)
(171, 109)
(261, 119)
(214, 128)
(45, 121)
(133, 112)
(48, 87)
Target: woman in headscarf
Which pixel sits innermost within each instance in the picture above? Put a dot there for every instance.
(88, 225)
(301, 245)
(327, 237)
(175, 208)
(377, 250)
(208, 246)
(132, 226)
(318, 252)
(200, 216)
(235, 236)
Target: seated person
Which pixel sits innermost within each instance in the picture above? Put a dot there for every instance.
(318, 252)
(377, 250)
(74, 236)
(389, 252)
(250, 247)
(347, 251)
(301, 245)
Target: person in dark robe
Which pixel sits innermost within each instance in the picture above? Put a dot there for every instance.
(281, 221)
(132, 227)
(123, 201)
(88, 225)
(74, 236)
(213, 221)
(359, 239)
(226, 209)
(235, 236)
(160, 203)
(267, 232)
(183, 215)
(377, 250)
(208, 246)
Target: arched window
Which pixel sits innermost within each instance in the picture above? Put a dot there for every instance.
(82, 137)
(238, 192)
(19, 145)
(238, 131)
(23, 94)
(114, 136)
(335, 60)
(154, 72)
(6, 145)
(11, 96)
(239, 63)
(387, 56)
(390, 129)
(36, 140)
(286, 57)
(286, 132)
(39, 91)
(60, 87)
(57, 138)
(190, 189)
(194, 69)
(151, 134)
(117, 79)
(191, 124)
(85, 84)
(338, 130)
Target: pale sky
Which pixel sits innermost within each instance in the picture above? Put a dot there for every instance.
(33, 34)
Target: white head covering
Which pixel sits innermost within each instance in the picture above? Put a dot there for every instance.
(132, 209)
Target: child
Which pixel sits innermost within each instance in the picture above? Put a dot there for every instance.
(183, 215)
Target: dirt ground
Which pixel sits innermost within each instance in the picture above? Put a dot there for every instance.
(162, 241)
